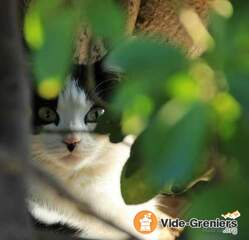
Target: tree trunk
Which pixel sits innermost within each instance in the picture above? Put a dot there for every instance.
(14, 127)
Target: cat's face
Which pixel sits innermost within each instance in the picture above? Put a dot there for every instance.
(65, 125)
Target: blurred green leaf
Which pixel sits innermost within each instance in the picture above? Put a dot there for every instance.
(143, 56)
(183, 87)
(33, 29)
(239, 85)
(49, 29)
(237, 147)
(143, 61)
(53, 59)
(229, 196)
(106, 19)
(169, 150)
(110, 124)
(228, 112)
(134, 118)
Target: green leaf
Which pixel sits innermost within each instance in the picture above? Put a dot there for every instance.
(237, 147)
(239, 85)
(143, 56)
(53, 58)
(169, 150)
(228, 112)
(227, 196)
(106, 19)
(147, 64)
(49, 30)
(110, 124)
(33, 29)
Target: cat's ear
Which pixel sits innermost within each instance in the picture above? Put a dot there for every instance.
(99, 82)
(106, 81)
(79, 73)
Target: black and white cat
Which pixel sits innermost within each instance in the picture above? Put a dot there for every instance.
(86, 163)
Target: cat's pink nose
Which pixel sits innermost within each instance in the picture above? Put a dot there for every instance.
(71, 140)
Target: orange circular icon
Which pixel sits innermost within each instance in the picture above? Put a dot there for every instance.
(145, 222)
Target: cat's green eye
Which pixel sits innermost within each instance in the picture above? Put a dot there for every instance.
(93, 115)
(48, 115)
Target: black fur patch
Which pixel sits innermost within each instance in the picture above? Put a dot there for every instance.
(96, 80)
(37, 103)
(58, 227)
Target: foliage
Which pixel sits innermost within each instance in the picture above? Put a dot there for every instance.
(181, 109)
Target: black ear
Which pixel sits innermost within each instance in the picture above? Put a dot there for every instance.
(79, 74)
(105, 81)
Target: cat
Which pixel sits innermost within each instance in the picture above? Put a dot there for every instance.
(86, 163)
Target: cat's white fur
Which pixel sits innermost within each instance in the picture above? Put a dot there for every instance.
(91, 172)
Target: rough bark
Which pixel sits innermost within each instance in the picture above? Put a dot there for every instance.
(154, 17)
(132, 9)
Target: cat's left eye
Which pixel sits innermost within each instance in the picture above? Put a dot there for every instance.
(48, 115)
(94, 114)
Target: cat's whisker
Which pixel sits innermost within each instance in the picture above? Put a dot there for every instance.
(105, 90)
(94, 90)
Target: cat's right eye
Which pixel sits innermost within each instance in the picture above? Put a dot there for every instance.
(48, 115)
(93, 115)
